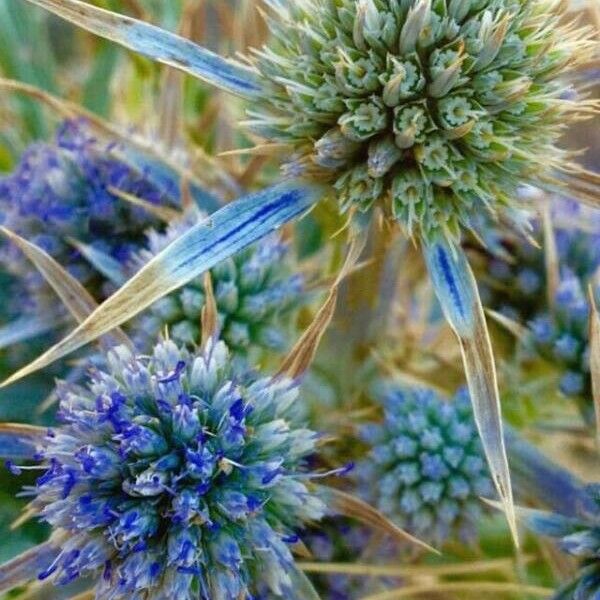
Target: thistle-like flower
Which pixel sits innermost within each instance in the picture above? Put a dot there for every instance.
(426, 468)
(514, 280)
(61, 193)
(561, 336)
(436, 110)
(255, 293)
(516, 284)
(171, 478)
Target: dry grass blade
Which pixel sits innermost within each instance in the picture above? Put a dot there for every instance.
(513, 327)
(350, 506)
(164, 213)
(210, 317)
(480, 370)
(461, 587)
(302, 354)
(550, 255)
(595, 358)
(74, 296)
(503, 565)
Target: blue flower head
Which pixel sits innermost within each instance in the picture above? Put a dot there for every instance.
(256, 292)
(172, 478)
(514, 279)
(62, 191)
(561, 336)
(426, 467)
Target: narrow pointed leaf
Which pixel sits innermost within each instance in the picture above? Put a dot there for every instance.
(164, 213)
(20, 441)
(102, 262)
(550, 256)
(26, 566)
(542, 521)
(302, 354)
(26, 328)
(227, 231)
(350, 506)
(595, 358)
(541, 481)
(456, 289)
(74, 296)
(158, 44)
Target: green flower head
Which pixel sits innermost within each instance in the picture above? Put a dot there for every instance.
(433, 109)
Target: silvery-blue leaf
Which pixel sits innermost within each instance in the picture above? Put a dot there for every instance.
(224, 233)
(20, 441)
(158, 44)
(456, 290)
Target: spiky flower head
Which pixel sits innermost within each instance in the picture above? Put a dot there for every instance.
(425, 468)
(256, 292)
(561, 336)
(61, 192)
(578, 536)
(435, 109)
(172, 478)
(513, 278)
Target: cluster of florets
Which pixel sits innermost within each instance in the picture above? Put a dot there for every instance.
(437, 109)
(256, 292)
(171, 478)
(515, 283)
(426, 467)
(561, 336)
(61, 192)
(579, 536)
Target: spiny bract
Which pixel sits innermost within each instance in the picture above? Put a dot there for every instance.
(61, 192)
(172, 478)
(435, 108)
(255, 292)
(426, 467)
(579, 536)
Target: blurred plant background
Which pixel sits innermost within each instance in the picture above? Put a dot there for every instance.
(410, 462)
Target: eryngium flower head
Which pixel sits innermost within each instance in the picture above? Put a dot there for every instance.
(434, 108)
(171, 478)
(255, 291)
(62, 190)
(513, 279)
(578, 536)
(426, 467)
(561, 336)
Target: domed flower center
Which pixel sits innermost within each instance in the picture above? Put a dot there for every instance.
(367, 91)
